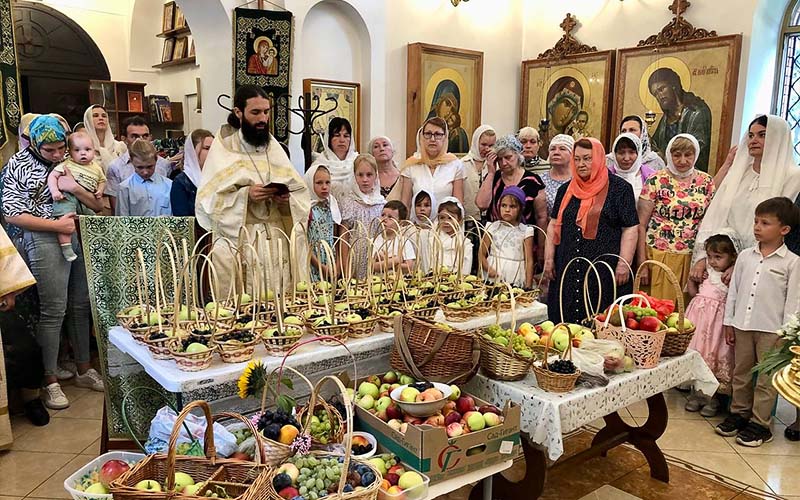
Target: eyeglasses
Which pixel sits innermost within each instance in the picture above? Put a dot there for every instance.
(433, 135)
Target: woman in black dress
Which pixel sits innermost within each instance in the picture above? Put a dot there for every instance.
(594, 214)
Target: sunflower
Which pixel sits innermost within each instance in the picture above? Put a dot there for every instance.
(252, 380)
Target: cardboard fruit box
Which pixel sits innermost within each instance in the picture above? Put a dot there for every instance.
(429, 450)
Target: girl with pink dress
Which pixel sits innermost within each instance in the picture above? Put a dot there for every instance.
(706, 311)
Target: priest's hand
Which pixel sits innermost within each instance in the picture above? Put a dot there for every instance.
(259, 193)
(281, 199)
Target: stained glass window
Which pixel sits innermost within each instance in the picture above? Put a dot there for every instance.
(788, 101)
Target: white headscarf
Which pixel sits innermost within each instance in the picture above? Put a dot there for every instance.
(108, 151)
(564, 140)
(373, 198)
(632, 175)
(191, 164)
(735, 201)
(336, 214)
(671, 166)
(412, 213)
(649, 157)
(341, 170)
(475, 148)
(452, 199)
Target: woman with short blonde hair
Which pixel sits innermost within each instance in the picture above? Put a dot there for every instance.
(529, 138)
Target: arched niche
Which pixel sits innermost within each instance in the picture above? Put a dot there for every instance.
(145, 48)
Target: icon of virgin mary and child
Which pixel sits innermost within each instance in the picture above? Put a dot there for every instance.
(446, 104)
(564, 104)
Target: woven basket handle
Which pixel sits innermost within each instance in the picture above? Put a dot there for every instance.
(172, 446)
(258, 458)
(621, 301)
(675, 283)
(348, 436)
(567, 351)
(585, 289)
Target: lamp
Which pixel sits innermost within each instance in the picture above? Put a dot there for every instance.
(456, 2)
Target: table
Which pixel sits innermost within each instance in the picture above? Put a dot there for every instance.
(546, 416)
(483, 475)
(315, 360)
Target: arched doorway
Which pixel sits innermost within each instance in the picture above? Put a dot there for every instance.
(56, 59)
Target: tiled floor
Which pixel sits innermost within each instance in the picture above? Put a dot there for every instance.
(41, 458)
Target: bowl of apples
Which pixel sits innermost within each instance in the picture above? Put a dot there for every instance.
(421, 399)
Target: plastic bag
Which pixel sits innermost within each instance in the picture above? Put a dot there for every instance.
(162, 424)
(588, 361)
(613, 353)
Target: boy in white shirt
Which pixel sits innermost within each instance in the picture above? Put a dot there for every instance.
(386, 250)
(764, 291)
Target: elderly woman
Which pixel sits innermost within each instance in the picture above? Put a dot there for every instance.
(529, 138)
(338, 154)
(95, 121)
(382, 149)
(594, 215)
(763, 168)
(183, 193)
(634, 124)
(432, 168)
(477, 164)
(63, 292)
(559, 173)
(626, 162)
(671, 206)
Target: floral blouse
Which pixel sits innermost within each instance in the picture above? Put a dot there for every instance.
(680, 205)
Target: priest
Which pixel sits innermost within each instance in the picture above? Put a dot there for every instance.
(248, 181)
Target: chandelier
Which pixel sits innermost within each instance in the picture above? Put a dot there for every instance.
(456, 2)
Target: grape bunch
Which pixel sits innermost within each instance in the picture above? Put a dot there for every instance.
(270, 423)
(520, 347)
(198, 340)
(158, 335)
(422, 386)
(241, 435)
(200, 332)
(243, 336)
(321, 426)
(563, 366)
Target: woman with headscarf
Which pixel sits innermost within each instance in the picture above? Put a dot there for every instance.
(361, 207)
(764, 167)
(671, 206)
(634, 124)
(559, 157)
(183, 193)
(338, 154)
(62, 286)
(476, 167)
(594, 215)
(95, 119)
(432, 167)
(382, 148)
(626, 162)
(529, 138)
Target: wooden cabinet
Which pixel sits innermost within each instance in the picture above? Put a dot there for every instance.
(120, 99)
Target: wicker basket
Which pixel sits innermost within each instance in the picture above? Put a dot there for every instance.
(500, 363)
(190, 362)
(159, 348)
(429, 352)
(676, 343)
(278, 345)
(126, 319)
(362, 329)
(461, 314)
(551, 381)
(236, 352)
(162, 468)
(368, 493)
(338, 331)
(643, 346)
(334, 417)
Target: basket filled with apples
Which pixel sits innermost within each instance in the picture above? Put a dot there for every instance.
(318, 474)
(505, 355)
(400, 482)
(191, 355)
(325, 425)
(92, 480)
(637, 327)
(162, 477)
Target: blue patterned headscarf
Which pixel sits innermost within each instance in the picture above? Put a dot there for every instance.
(46, 129)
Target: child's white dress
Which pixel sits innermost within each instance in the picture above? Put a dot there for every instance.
(507, 253)
(448, 252)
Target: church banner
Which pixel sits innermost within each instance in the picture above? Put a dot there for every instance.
(8, 73)
(262, 55)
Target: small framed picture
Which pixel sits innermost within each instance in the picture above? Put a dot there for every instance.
(169, 47)
(168, 22)
(191, 49)
(180, 20)
(135, 101)
(181, 48)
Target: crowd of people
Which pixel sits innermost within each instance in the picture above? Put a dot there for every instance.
(488, 213)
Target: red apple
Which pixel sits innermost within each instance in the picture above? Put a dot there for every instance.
(451, 417)
(397, 469)
(412, 420)
(490, 409)
(383, 415)
(448, 407)
(239, 455)
(465, 404)
(455, 429)
(436, 420)
(112, 470)
(288, 493)
(392, 478)
(393, 411)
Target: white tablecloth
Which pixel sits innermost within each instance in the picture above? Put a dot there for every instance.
(546, 416)
(372, 355)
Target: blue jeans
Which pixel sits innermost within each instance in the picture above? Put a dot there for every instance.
(63, 296)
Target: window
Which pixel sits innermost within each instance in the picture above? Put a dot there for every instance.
(788, 92)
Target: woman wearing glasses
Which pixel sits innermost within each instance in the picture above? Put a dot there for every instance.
(432, 168)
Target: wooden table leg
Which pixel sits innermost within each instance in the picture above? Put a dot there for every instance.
(643, 438)
(532, 484)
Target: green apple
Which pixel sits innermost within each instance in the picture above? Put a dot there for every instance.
(195, 347)
(245, 298)
(254, 324)
(322, 321)
(560, 340)
(148, 485)
(182, 480)
(340, 307)
(465, 286)
(185, 314)
(409, 395)
(586, 334)
(406, 380)
(268, 295)
(323, 285)
(302, 286)
(368, 388)
(270, 332)
(353, 318)
(379, 464)
(395, 313)
(475, 421)
(455, 392)
(290, 470)
(409, 479)
(154, 318)
(192, 489)
(366, 402)
(470, 278)
(454, 305)
(96, 489)
(397, 297)
(383, 403)
(292, 320)
(574, 329)
(547, 327)
(134, 311)
(377, 288)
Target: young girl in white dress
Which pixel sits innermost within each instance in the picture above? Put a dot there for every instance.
(508, 255)
(450, 231)
(419, 232)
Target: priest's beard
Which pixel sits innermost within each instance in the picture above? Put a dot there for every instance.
(257, 135)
